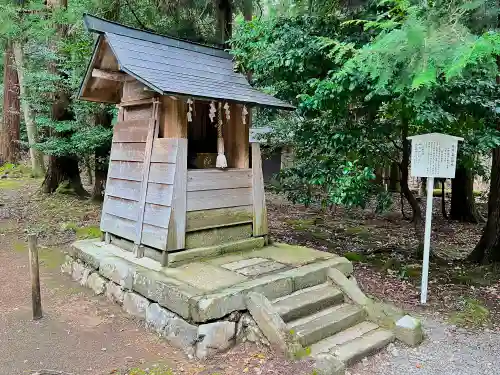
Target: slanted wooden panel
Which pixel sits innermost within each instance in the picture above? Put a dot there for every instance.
(138, 112)
(154, 236)
(128, 151)
(118, 226)
(209, 199)
(219, 217)
(125, 170)
(131, 131)
(164, 150)
(259, 199)
(162, 173)
(159, 194)
(213, 179)
(124, 208)
(157, 215)
(123, 189)
(177, 226)
(135, 90)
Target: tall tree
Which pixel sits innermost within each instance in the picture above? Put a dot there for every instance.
(9, 131)
(463, 205)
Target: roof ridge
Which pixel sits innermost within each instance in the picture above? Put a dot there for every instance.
(103, 26)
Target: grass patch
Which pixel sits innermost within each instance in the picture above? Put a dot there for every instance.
(92, 231)
(15, 170)
(361, 232)
(151, 371)
(20, 247)
(50, 257)
(472, 314)
(301, 224)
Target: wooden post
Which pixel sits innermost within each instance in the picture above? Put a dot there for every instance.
(36, 296)
(259, 199)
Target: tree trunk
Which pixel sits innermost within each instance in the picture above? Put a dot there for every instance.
(463, 204)
(394, 177)
(405, 189)
(9, 131)
(63, 176)
(101, 162)
(37, 164)
(487, 249)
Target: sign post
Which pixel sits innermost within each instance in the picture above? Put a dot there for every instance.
(432, 155)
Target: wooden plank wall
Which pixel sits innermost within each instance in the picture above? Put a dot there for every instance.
(124, 188)
(217, 198)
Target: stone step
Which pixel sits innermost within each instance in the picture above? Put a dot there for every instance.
(363, 346)
(325, 323)
(343, 337)
(307, 301)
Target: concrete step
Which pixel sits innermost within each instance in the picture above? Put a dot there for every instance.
(307, 301)
(343, 337)
(367, 344)
(325, 323)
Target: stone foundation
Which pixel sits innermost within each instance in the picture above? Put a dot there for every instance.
(200, 340)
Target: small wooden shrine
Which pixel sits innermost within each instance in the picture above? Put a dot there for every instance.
(182, 173)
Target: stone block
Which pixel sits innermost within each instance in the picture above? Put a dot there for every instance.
(350, 288)
(181, 334)
(114, 292)
(79, 271)
(248, 330)
(215, 306)
(97, 283)
(327, 364)
(89, 251)
(67, 266)
(157, 317)
(409, 330)
(118, 270)
(168, 292)
(135, 304)
(215, 338)
(85, 276)
(272, 325)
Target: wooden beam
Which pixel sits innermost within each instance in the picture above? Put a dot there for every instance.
(259, 199)
(173, 120)
(111, 75)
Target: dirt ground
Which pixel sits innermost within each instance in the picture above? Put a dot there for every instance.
(84, 334)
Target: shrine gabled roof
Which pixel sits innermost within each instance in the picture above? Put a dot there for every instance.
(172, 66)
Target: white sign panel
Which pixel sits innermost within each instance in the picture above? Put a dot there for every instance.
(434, 155)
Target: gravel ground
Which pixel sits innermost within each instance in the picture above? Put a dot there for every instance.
(447, 350)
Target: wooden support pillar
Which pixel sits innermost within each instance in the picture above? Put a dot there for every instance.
(177, 225)
(173, 118)
(236, 139)
(259, 199)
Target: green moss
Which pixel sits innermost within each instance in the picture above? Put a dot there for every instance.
(320, 235)
(151, 371)
(20, 247)
(302, 224)
(51, 258)
(69, 226)
(355, 257)
(10, 184)
(92, 231)
(15, 170)
(361, 232)
(471, 314)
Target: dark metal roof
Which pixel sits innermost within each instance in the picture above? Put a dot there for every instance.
(173, 66)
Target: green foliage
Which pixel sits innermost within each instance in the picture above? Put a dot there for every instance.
(366, 77)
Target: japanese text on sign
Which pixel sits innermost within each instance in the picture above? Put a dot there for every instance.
(433, 155)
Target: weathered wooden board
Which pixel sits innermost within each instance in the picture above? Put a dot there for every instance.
(138, 112)
(159, 194)
(118, 226)
(157, 215)
(125, 170)
(151, 235)
(120, 207)
(130, 131)
(154, 236)
(259, 199)
(213, 179)
(209, 199)
(219, 217)
(177, 226)
(123, 189)
(128, 151)
(164, 150)
(162, 173)
(217, 236)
